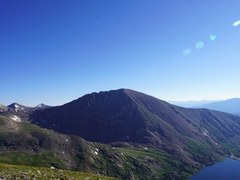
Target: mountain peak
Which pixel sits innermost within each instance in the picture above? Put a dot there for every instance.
(18, 107)
(127, 110)
(42, 106)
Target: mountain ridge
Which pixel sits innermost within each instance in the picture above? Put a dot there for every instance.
(129, 116)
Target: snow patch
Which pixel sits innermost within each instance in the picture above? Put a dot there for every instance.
(96, 152)
(16, 106)
(16, 118)
(40, 105)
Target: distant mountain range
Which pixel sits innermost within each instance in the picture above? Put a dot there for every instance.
(21, 108)
(18, 112)
(191, 104)
(149, 134)
(230, 106)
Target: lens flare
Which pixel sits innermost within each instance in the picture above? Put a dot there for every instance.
(236, 23)
(199, 45)
(187, 51)
(212, 37)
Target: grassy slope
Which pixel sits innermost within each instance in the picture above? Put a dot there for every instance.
(29, 172)
(154, 164)
(27, 144)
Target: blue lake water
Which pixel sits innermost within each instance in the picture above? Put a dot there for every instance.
(229, 169)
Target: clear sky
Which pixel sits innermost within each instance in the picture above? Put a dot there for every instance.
(54, 51)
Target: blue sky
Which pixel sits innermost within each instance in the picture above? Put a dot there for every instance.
(56, 51)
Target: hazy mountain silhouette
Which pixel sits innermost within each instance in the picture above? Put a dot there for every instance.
(230, 106)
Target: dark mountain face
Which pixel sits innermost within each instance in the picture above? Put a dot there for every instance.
(191, 135)
(113, 113)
